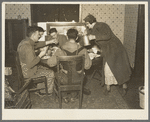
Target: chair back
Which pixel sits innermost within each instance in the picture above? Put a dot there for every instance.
(73, 67)
(19, 70)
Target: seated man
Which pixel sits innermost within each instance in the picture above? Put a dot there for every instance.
(53, 34)
(40, 44)
(29, 61)
(72, 48)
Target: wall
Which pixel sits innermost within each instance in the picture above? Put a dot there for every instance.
(121, 18)
(112, 14)
(13, 10)
(130, 29)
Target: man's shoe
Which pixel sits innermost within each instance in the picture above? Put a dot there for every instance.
(86, 91)
(42, 94)
(73, 99)
(38, 93)
(106, 92)
(66, 100)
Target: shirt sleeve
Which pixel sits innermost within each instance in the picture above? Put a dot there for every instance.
(31, 58)
(39, 44)
(88, 62)
(103, 32)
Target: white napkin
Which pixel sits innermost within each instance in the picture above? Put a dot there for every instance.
(92, 55)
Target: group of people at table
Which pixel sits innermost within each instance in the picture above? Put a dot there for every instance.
(117, 70)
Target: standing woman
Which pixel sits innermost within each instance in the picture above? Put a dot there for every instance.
(117, 68)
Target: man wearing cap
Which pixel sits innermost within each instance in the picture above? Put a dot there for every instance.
(117, 68)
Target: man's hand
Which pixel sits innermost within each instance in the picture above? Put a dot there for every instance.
(91, 37)
(42, 53)
(52, 41)
(56, 41)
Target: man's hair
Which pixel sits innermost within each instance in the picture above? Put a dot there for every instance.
(90, 18)
(52, 30)
(72, 33)
(31, 30)
(41, 29)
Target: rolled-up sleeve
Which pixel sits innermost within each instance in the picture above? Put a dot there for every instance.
(39, 44)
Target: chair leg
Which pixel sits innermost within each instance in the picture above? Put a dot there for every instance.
(54, 93)
(60, 100)
(92, 74)
(99, 72)
(96, 71)
(46, 89)
(103, 78)
(80, 100)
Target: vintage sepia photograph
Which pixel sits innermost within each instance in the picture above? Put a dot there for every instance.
(74, 60)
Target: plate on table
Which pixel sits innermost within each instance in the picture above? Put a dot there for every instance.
(98, 56)
(92, 55)
(46, 57)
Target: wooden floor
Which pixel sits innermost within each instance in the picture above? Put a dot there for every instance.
(97, 100)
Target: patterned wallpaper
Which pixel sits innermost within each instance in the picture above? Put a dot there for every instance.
(120, 17)
(112, 14)
(13, 10)
(130, 28)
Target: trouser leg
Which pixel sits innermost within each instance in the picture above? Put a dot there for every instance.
(43, 71)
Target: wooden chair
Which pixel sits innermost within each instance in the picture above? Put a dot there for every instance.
(20, 100)
(25, 83)
(16, 100)
(74, 67)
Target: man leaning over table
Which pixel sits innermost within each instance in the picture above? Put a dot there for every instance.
(53, 34)
(29, 61)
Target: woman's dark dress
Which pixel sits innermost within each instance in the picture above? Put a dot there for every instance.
(113, 52)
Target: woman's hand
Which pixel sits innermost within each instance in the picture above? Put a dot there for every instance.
(91, 37)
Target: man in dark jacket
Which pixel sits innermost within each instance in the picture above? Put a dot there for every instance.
(117, 68)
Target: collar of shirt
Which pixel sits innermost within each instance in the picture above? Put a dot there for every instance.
(31, 41)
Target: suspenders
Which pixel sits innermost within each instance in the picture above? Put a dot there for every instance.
(73, 53)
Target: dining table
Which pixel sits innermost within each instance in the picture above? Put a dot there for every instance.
(96, 68)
